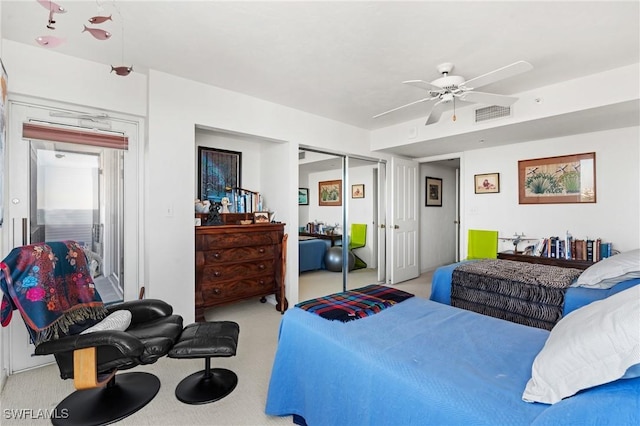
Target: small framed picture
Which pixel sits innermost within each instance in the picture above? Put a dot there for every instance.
(303, 196)
(433, 192)
(261, 217)
(488, 183)
(357, 191)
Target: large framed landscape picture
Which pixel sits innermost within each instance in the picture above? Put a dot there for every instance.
(564, 179)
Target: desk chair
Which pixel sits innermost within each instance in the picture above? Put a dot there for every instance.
(482, 244)
(358, 239)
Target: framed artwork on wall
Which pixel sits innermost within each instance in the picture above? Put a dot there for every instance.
(563, 179)
(219, 171)
(357, 191)
(433, 192)
(303, 196)
(488, 183)
(330, 193)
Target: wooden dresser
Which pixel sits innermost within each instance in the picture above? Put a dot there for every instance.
(236, 262)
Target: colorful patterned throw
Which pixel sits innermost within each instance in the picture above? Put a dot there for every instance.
(354, 304)
(50, 284)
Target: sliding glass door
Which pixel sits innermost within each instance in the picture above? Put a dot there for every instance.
(76, 194)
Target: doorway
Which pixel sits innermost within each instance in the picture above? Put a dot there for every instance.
(76, 193)
(58, 190)
(440, 225)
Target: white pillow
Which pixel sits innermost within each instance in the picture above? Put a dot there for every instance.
(610, 271)
(118, 320)
(593, 345)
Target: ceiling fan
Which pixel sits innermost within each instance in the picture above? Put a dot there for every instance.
(447, 88)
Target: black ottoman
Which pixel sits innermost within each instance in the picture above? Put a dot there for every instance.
(206, 340)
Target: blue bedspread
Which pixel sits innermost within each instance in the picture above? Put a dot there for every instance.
(424, 363)
(311, 254)
(575, 297)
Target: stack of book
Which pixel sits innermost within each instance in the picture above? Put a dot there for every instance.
(574, 249)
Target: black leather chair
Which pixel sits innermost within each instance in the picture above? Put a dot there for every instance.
(92, 359)
(104, 396)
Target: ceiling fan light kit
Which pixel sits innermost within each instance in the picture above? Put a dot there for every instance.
(445, 89)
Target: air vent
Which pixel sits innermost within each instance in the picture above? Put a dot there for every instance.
(301, 155)
(492, 112)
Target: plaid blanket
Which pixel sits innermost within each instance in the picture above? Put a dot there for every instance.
(353, 304)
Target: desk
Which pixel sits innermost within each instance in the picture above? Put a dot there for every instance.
(332, 237)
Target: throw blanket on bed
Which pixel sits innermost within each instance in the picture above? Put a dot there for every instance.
(50, 283)
(524, 293)
(353, 304)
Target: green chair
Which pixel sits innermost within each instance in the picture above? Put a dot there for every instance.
(358, 239)
(482, 244)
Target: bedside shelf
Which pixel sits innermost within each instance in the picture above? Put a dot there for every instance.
(564, 263)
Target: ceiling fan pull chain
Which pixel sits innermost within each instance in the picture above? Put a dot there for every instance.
(454, 108)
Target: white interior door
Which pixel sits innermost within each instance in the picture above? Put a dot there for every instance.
(403, 224)
(382, 222)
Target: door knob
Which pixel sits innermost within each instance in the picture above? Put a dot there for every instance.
(396, 227)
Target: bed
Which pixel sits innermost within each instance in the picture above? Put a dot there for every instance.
(621, 272)
(311, 253)
(420, 362)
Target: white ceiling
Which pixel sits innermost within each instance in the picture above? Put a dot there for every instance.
(343, 60)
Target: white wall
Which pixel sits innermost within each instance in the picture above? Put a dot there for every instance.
(437, 227)
(614, 217)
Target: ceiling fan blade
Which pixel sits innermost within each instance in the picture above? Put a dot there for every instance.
(436, 112)
(488, 98)
(499, 74)
(421, 84)
(403, 106)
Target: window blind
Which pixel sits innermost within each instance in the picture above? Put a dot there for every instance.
(79, 136)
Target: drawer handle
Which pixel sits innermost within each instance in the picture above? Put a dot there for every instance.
(217, 273)
(261, 282)
(261, 266)
(217, 255)
(216, 291)
(261, 250)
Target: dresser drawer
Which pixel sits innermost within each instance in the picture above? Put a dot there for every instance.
(237, 271)
(239, 239)
(213, 293)
(236, 254)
